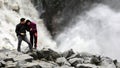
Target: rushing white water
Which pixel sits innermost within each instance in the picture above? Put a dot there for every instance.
(10, 18)
(97, 31)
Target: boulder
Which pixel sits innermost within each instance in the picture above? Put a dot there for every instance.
(117, 64)
(23, 57)
(20, 64)
(40, 55)
(64, 66)
(107, 62)
(86, 66)
(2, 64)
(8, 59)
(96, 60)
(48, 54)
(77, 55)
(31, 65)
(76, 61)
(2, 56)
(62, 61)
(34, 55)
(44, 64)
(68, 53)
(5, 57)
(11, 64)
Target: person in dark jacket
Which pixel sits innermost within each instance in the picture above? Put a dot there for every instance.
(33, 32)
(21, 34)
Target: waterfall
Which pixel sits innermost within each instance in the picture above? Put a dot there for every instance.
(10, 13)
(96, 31)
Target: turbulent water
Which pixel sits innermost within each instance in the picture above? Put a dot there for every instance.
(96, 31)
(10, 13)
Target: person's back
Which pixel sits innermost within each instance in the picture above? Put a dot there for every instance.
(20, 28)
(33, 26)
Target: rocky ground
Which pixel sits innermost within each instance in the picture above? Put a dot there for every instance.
(47, 58)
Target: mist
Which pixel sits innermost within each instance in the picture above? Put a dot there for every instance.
(96, 31)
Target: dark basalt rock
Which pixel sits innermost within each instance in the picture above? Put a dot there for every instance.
(35, 55)
(33, 66)
(68, 53)
(48, 54)
(57, 14)
(96, 60)
(62, 61)
(75, 61)
(9, 59)
(11, 65)
(2, 64)
(83, 67)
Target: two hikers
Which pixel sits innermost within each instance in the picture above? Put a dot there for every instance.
(20, 30)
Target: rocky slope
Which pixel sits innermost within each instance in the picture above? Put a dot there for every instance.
(47, 58)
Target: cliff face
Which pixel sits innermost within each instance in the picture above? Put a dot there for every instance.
(58, 13)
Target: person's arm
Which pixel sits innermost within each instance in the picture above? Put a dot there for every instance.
(27, 28)
(35, 28)
(17, 30)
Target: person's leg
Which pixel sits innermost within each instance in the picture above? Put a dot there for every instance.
(19, 43)
(35, 40)
(31, 38)
(27, 41)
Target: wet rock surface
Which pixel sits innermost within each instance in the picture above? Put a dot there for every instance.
(57, 14)
(48, 58)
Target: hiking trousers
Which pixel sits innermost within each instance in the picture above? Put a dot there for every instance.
(33, 38)
(23, 38)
